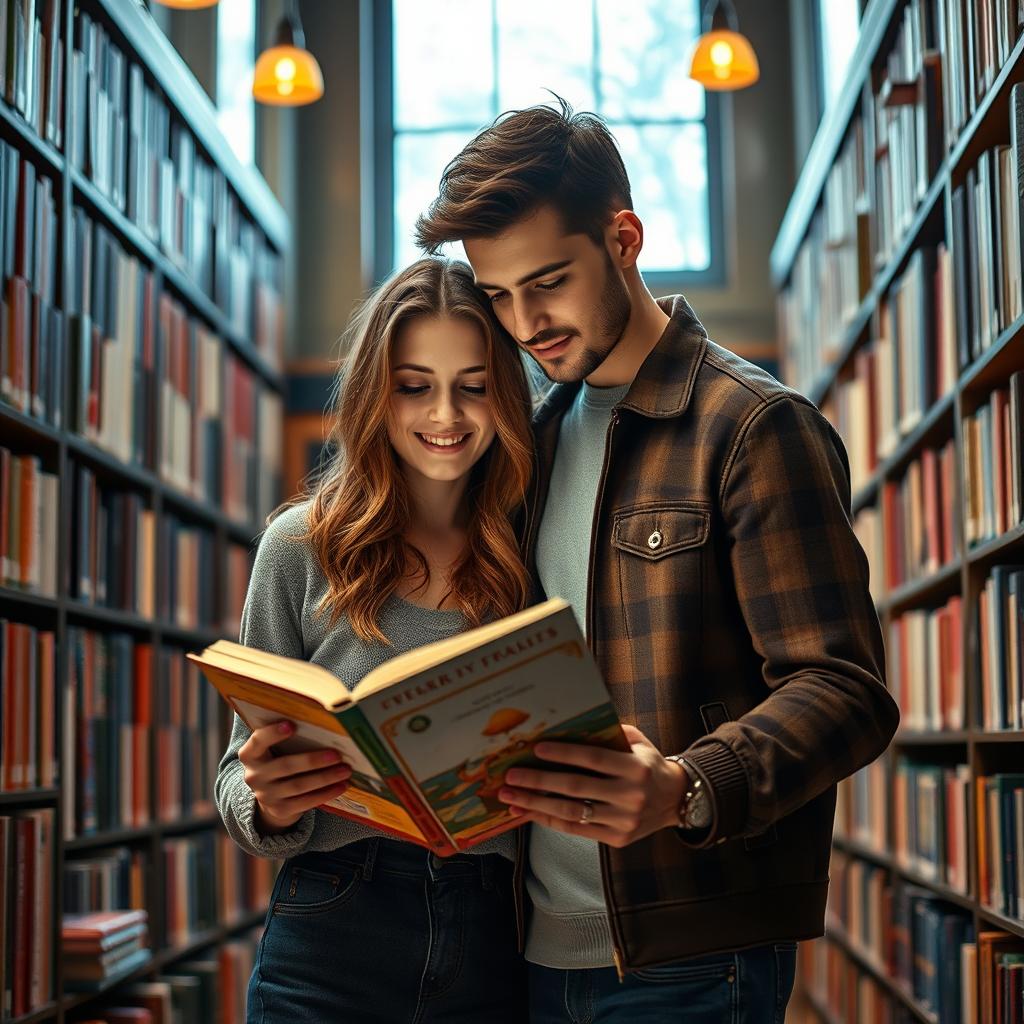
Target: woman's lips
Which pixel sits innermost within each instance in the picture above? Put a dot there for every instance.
(448, 448)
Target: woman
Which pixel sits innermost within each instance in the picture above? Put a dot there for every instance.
(406, 538)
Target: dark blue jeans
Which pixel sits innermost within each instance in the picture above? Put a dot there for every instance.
(382, 931)
(749, 987)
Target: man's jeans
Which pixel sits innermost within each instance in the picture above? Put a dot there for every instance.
(382, 931)
(749, 987)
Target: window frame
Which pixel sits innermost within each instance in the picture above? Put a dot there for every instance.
(715, 275)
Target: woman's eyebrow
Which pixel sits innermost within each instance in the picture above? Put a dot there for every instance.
(427, 369)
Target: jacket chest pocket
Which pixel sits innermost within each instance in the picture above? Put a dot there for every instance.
(660, 552)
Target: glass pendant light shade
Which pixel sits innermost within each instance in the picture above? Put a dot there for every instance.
(187, 5)
(723, 58)
(287, 74)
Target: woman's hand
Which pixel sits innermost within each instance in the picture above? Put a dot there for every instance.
(286, 787)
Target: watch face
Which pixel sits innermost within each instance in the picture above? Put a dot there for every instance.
(698, 810)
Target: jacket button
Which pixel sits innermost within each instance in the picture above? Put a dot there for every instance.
(654, 541)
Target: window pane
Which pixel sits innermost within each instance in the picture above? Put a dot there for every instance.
(236, 58)
(644, 51)
(419, 161)
(667, 168)
(840, 29)
(545, 45)
(444, 67)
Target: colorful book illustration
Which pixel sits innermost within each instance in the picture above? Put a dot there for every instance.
(430, 734)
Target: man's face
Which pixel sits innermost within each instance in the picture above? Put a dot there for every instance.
(560, 296)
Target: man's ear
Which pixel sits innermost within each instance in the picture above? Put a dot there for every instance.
(625, 238)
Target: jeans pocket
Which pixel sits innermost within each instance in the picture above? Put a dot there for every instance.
(306, 890)
(701, 970)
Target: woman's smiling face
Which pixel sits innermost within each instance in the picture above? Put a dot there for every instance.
(440, 421)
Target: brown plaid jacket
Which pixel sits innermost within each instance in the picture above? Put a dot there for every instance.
(728, 609)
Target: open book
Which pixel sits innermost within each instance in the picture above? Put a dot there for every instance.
(430, 734)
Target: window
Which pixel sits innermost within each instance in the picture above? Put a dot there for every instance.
(839, 30)
(447, 70)
(236, 58)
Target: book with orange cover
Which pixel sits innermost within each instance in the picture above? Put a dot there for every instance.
(430, 734)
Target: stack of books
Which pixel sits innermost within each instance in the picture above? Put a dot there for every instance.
(103, 945)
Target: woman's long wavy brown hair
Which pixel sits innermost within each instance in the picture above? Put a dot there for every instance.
(360, 504)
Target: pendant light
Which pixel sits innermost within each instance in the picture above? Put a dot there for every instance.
(723, 59)
(187, 5)
(287, 74)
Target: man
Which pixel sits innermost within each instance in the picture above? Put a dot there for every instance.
(696, 514)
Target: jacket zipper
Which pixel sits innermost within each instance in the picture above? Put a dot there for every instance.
(612, 921)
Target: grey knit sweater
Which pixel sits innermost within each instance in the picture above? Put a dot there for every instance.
(285, 589)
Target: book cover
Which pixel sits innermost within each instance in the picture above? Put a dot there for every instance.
(430, 734)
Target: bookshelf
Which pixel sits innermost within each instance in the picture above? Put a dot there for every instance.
(898, 274)
(141, 400)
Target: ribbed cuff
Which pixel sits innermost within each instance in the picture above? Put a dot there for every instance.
(722, 772)
(283, 844)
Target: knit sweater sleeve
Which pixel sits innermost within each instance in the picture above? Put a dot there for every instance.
(271, 621)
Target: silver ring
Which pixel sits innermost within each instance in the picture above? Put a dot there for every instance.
(587, 813)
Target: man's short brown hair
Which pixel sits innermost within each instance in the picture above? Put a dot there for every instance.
(527, 159)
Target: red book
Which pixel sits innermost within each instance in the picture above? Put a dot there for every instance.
(100, 924)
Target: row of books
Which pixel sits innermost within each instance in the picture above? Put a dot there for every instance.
(28, 524)
(930, 821)
(862, 803)
(32, 65)
(1000, 654)
(838, 984)
(1000, 805)
(210, 990)
(146, 162)
(113, 545)
(930, 939)
(185, 594)
(963, 302)
(117, 879)
(114, 879)
(906, 933)
(985, 230)
(125, 707)
(111, 358)
(907, 112)
(28, 755)
(926, 666)
(894, 379)
(31, 323)
(977, 40)
(993, 471)
(26, 911)
(919, 521)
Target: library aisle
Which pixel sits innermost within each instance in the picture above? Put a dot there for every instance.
(139, 454)
(898, 268)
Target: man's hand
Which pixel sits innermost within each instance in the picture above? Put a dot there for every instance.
(635, 794)
(286, 787)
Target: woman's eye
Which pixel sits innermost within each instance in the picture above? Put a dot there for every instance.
(411, 389)
(550, 286)
(475, 389)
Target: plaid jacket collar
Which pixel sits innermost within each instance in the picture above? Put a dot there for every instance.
(664, 383)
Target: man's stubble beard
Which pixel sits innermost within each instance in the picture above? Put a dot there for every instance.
(612, 318)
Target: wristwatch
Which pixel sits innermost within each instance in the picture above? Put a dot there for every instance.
(695, 806)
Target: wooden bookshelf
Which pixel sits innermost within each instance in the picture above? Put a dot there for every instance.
(240, 319)
(826, 364)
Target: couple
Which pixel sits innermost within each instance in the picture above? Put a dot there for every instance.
(694, 512)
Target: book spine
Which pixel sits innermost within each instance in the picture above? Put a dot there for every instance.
(369, 742)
